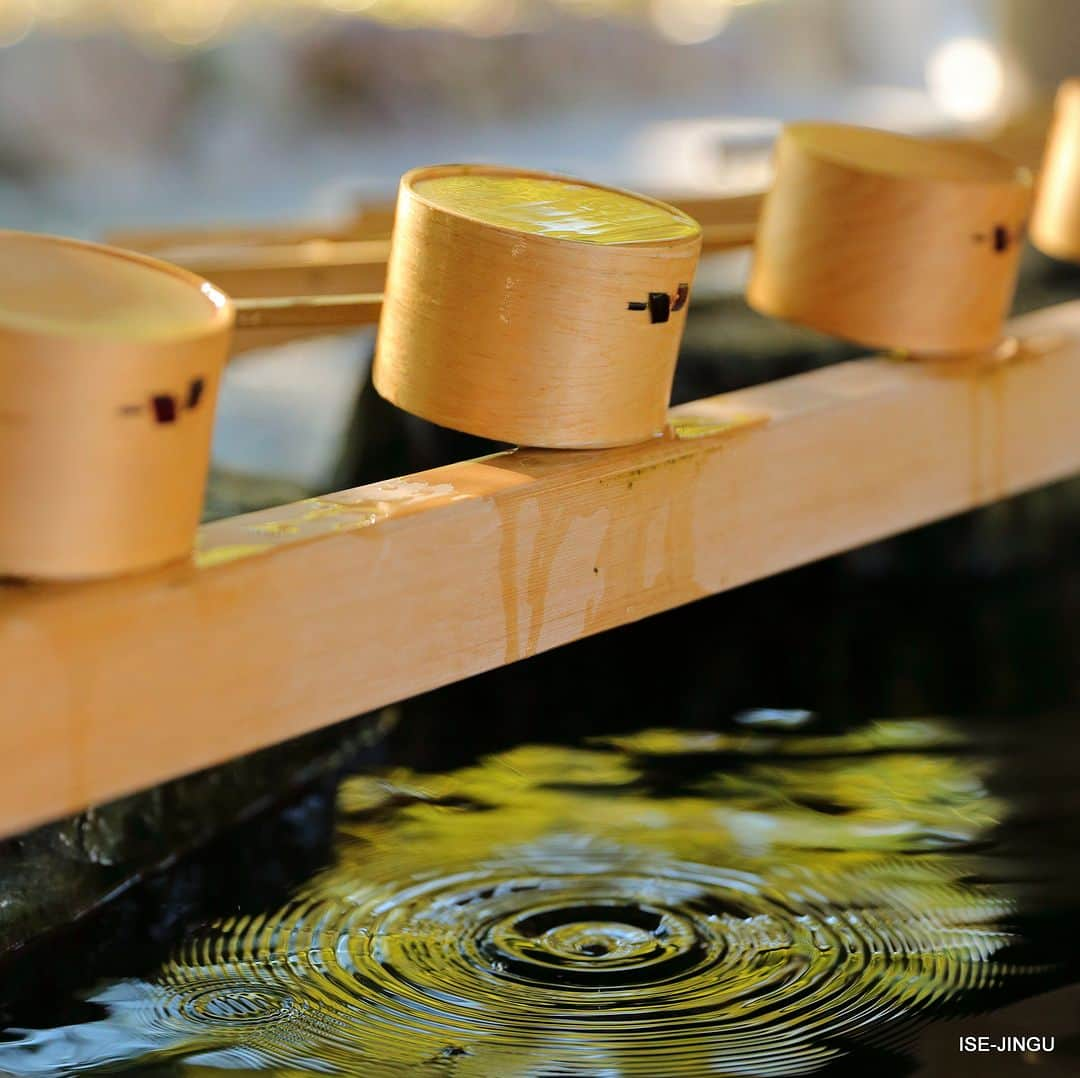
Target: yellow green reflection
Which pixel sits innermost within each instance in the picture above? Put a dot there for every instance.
(586, 911)
(559, 209)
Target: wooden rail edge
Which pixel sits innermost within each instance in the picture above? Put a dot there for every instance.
(299, 616)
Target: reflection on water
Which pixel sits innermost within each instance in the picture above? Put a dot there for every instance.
(765, 900)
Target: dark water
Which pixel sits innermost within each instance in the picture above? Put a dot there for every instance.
(779, 895)
(604, 862)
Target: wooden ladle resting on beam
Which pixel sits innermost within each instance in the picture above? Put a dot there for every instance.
(110, 360)
(486, 562)
(110, 363)
(109, 370)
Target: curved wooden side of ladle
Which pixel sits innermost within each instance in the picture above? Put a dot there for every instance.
(109, 370)
(531, 338)
(1055, 221)
(891, 241)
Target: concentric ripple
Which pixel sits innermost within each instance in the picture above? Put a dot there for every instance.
(559, 911)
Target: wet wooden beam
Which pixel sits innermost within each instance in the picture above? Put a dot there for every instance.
(295, 617)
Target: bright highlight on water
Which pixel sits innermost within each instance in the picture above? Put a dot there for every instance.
(598, 910)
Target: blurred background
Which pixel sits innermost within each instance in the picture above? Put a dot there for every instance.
(119, 113)
(116, 111)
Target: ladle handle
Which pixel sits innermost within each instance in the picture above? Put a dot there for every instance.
(266, 321)
(728, 222)
(727, 237)
(303, 312)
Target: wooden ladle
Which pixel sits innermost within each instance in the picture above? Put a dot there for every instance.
(891, 241)
(109, 370)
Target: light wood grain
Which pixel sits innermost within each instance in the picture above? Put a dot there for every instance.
(312, 268)
(300, 312)
(109, 369)
(299, 616)
(272, 321)
(529, 338)
(890, 241)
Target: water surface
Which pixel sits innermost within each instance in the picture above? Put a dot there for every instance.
(775, 896)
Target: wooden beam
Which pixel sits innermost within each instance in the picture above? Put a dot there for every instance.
(295, 617)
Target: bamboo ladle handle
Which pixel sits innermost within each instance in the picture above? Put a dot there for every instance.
(278, 320)
(331, 264)
(288, 312)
